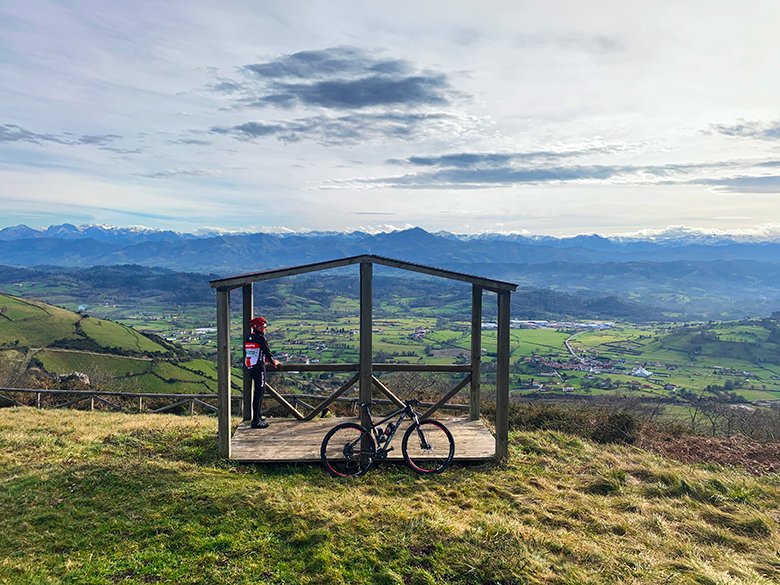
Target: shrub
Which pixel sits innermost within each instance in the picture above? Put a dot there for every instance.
(620, 427)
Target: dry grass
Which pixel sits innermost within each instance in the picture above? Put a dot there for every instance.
(106, 498)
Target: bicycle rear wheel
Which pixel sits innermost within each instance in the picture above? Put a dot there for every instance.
(428, 447)
(348, 450)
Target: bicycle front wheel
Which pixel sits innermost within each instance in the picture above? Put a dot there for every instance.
(428, 447)
(348, 450)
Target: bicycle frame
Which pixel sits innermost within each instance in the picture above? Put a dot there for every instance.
(402, 414)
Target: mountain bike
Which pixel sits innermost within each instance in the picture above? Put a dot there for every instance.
(350, 449)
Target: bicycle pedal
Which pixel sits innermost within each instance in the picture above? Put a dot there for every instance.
(390, 449)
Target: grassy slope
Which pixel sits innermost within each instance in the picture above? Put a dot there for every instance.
(38, 324)
(105, 498)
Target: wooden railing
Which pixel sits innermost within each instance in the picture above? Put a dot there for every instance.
(103, 397)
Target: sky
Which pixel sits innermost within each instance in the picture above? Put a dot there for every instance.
(545, 117)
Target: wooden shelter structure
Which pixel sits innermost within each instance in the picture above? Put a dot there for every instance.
(244, 445)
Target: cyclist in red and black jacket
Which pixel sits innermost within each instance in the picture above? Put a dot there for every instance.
(256, 354)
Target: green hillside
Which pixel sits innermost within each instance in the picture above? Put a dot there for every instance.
(114, 356)
(35, 324)
(109, 498)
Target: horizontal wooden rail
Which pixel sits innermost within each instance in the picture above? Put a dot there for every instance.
(80, 395)
(378, 367)
(106, 393)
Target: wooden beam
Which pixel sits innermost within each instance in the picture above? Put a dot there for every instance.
(502, 378)
(384, 367)
(286, 405)
(377, 367)
(444, 399)
(487, 283)
(288, 367)
(387, 392)
(236, 281)
(366, 314)
(327, 402)
(242, 279)
(248, 302)
(476, 350)
(223, 371)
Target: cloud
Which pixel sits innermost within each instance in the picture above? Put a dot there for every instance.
(492, 159)
(745, 184)
(181, 173)
(493, 169)
(377, 90)
(335, 62)
(750, 129)
(352, 128)
(14, 133)
(349, 94)
(99, 140)
(338, 78)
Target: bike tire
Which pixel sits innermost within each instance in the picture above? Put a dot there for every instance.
(432, 449)
(348, 450)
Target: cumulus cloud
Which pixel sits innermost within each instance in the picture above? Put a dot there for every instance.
(750, 129)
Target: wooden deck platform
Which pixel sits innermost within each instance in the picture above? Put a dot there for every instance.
(293, 441)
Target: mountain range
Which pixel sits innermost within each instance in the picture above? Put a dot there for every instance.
(684, 274)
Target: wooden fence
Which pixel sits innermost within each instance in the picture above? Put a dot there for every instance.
(108, 399)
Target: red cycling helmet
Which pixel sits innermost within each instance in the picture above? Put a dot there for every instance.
(258, 322)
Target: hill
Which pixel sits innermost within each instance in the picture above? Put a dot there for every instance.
(152, 503)
(39, 341)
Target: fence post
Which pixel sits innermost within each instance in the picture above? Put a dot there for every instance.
(476, 350)
(140, 404)
(38, 400)
(366, 366)
(92, 403)
(502, 377)
(223, 370)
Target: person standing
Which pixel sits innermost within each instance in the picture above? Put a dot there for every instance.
(256, 354)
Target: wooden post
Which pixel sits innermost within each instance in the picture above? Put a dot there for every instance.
(140, 403)
(38, 400)
(366, 371)
(92, 403)
(476, 350)
(248, 304)
(502, 377)
(223, 370)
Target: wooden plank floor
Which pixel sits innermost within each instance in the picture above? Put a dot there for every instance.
(293, 441)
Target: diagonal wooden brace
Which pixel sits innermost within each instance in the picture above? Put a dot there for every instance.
(10, 400)
(110, 404)
(205, 404)
(462, 384)
(280, 399)
(387, 392)
(325, 403)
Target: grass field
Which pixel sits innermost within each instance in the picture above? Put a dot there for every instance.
(107, 498)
